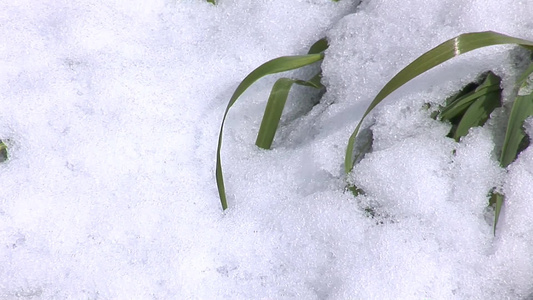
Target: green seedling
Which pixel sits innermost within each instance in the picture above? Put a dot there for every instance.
(470, 107)
(276, 100)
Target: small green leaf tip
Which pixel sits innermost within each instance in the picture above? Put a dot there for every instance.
(3, 151)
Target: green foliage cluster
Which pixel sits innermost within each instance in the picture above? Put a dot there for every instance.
(470, 107)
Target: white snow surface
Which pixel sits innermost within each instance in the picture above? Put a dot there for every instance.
(111, 112)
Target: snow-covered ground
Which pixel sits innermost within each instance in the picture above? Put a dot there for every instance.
(111, 111)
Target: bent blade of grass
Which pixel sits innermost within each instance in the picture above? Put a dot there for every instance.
(274, 109)
(277, 65)
(454, 47)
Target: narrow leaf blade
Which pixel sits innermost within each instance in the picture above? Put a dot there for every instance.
(274, 109)
(461, 105)
(521, 110)
(496, 199)
(514, 136)
(319, 46)
(478, 113)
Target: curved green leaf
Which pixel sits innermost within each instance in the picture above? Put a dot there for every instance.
(454, 47)
(277, 65)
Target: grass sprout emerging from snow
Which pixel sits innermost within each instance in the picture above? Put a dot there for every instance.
(469, 108)
(473, 105)
(515, 138)
(276, 101)
(451, 48)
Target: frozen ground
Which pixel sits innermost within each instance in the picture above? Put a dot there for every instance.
(111, 111)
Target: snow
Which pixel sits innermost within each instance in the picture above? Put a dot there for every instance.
(111, 111)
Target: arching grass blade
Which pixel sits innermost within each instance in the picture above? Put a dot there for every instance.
(277, 65)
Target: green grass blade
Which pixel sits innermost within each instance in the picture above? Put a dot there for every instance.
(319, 46)
(496, 200)
(273, 111)
(454, 47)
(277, 65)
(515, 135)
(478, 113)
(521, 110)
(276, 103)
(460, 105)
